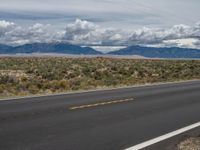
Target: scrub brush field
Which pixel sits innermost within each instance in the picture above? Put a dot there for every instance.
(23, 76)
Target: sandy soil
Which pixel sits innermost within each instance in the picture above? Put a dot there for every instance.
(190, 144)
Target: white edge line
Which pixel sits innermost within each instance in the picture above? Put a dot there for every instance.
(103, 89)
(163, 137)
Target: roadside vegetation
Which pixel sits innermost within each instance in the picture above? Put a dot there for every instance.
(192, 143)
(22, 76)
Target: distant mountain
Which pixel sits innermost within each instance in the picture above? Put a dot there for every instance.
(65, 48)
(5, 48)
(62, 48)
(152, 52)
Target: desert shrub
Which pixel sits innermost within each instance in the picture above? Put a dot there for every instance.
(4, 79)
(2, 88)
(66, 74)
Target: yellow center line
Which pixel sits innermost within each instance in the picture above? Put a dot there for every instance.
(101, 104)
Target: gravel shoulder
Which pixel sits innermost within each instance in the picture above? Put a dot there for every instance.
(189, 140)
(192, 143)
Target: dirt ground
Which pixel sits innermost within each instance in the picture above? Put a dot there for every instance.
(190, 144)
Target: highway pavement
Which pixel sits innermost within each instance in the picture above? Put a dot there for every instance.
(98, 120)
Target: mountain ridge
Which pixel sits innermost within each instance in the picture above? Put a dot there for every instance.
(66, 48)
(158, 52)
(63, 48)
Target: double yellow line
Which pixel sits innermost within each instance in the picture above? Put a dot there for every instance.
(101, 104)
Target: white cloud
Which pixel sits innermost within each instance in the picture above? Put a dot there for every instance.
(87, 33)
(186, 43)
(5, 27)
(6, 24)
(84, 32)
(13, 34)
(79, 31)
(178, 35)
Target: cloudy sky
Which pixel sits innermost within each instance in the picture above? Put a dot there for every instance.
(101, 22)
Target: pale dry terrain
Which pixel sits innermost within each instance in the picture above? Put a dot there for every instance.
(190, 144)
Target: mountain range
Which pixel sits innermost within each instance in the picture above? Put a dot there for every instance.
(65, 48)
(157, 52)
(62, 48)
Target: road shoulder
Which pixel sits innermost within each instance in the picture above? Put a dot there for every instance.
(172, 143)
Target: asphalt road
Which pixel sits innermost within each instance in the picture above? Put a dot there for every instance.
(98, 120)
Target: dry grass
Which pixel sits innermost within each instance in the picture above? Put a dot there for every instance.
(190, 144)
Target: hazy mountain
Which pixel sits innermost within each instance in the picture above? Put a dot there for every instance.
(62, 48)
(152, 52)
(5, 48)
(65, 48)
